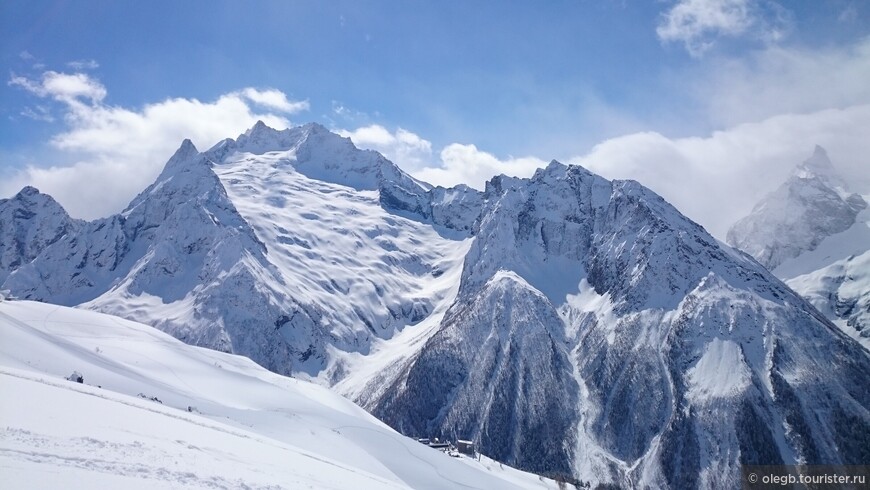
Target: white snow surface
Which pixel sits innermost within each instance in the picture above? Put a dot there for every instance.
(852, 242)
(719, 373)
(842, 292)
(246, 427)
(815, 235)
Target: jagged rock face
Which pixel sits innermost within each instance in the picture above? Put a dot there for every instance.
(221, 253)
(494, 372)
(180, 242)
(677, 346)
(565, 323)
(29, 222)
(811, 205)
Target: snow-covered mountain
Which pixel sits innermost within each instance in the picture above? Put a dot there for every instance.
(814, 234)
(29, 223)
(598, 330)
(566, 323)
(811, 205)
(153, 412)
(277, 245)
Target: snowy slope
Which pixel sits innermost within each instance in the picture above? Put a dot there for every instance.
(533, 318)
(595, 304)
(815, 236)
(290, 247)
(842, 292)
(248, 428)
(835, 278)
(813, 204)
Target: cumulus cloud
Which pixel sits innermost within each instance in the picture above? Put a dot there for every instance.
(697, 23)
(716, 180)
(128, 147)
(466, 164)
(403, 147)
(455, 164)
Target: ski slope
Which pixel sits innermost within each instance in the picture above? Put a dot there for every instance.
(221, 420)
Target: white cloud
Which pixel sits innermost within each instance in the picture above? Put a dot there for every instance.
(779, 80)
(38, 113)
(402, 147)
(773, 108)
(716, 180)
(275, 100)
(64, 87)
(79, 65)
(109, 154)
(697, 23)
(468, 165)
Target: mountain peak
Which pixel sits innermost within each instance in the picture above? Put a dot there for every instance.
(28, 191)
(314, 127)
(187, 148)
(30, 196)
(185, 151)
(182, 158)
(785, 223)
(259, 125)
(819, 166)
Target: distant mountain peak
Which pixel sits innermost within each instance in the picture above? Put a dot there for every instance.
(27, 191)
(812, 204)
(258, 126)
(31, 197)
(819, 166)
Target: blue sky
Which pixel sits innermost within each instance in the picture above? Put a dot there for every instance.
(454, 91)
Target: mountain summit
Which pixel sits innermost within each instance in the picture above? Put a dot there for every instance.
(811, 205)
(533, 318)
(815, 235)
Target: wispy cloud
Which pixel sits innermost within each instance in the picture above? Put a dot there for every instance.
(717, 179)
(699, 23)
(274, 99)
(782, 80)
(64, 87)
(80, 65)
(38, 113)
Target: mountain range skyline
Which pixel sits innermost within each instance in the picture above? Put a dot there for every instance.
(725, 94)
(528, 317)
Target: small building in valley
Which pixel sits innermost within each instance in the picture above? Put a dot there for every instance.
(465, 447)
